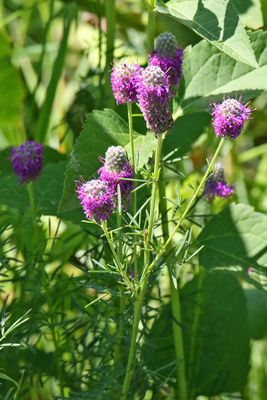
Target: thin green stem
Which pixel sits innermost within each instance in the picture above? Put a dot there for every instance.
(196, 316)
(117, 356)
(110, 13)
(116, 257)
(32, 201)
(46, 110)
(140, 296)
(184, 214)
(130, 123)
(176, 307)
(151, 26)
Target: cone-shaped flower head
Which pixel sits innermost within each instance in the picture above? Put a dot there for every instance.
(153, 86)
(229, 117)
(96, 199)
(27, 161)
(115, 171)
(216, 184)
(168, 57)
(124, 80)
(116, 158)
(166, 44)
(153, 96)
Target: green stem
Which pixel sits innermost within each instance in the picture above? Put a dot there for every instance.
(32, 201)
(176, 308)
(110, 13)
(117, 355)
(130, 122)
(151, 26)
(46, 110)
(116, 257)
(193, 337)
(183, 216)
(264, 12)
(140, 296)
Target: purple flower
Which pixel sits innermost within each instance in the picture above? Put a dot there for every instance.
(168, 57)
(216, 185)
(116, 171)
(96, 199)
(153, 95)
(153, 86)
(228, 118)
(124, 80)
(27, 160)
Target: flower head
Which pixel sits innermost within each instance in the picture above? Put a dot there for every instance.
(228, 118)
(118, 171)
(153, 95)
(216, 185)
(116, 158)
(153, 86)
(124, 80)
(27, 161)
(166, 44)
(168, 57)
(96, 199)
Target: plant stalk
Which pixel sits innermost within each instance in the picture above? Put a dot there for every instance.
(110, 13)
(151, 26)
(130, 122)
(140, 296)
(46, 110)
(183, 216)
(32, 201)
(176, 307)
(116, 257)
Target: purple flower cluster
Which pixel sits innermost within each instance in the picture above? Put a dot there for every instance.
(229, 117)
(168, 57)
(124, 80)
(118, 171)
(98, 197)
(216, 185)
(153, 93)
(27, 161)
(153, 86)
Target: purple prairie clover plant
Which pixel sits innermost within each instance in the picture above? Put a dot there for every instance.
(216, 185)
(169, 57)
(116, 171)
(153, 95)
(96, 198)
(27, 161)
(229, 117)
(124, 80)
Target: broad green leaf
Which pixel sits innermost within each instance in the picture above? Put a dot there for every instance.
(236, 237)
(184, 133)
(11, 99)
(257, 312)
(217, 21)
(101, 130)
(210, 75)
(144, 146)
(250, 13)
(47, 190)
(215, 332)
